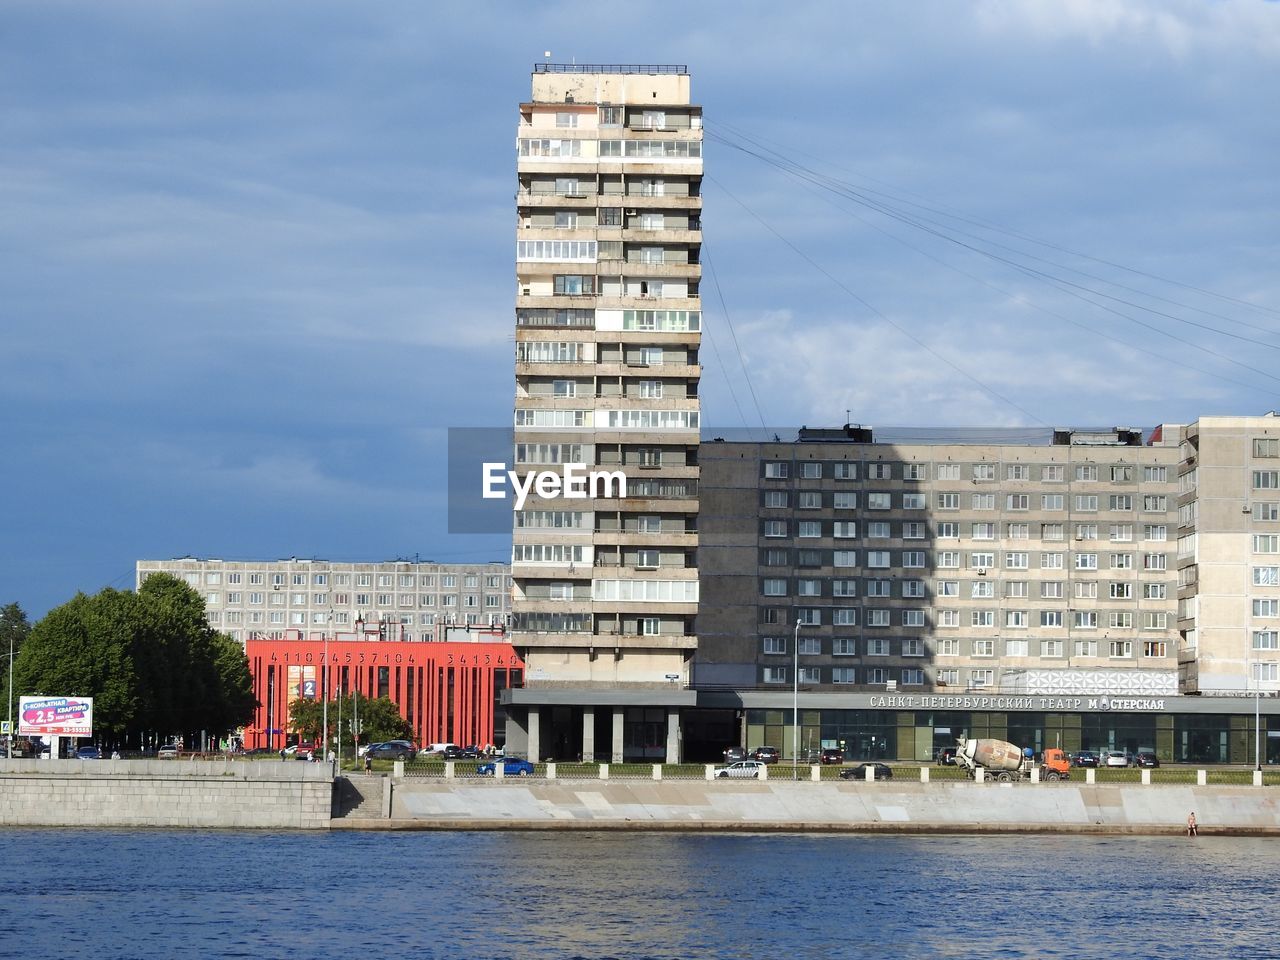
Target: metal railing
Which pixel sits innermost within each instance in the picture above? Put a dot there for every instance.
(649, 68)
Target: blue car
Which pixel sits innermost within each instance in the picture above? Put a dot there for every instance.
(511, 767)
(88, 753)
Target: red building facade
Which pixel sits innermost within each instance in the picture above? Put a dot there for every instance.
(447, 692)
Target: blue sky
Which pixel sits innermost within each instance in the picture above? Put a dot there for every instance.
(255, 259)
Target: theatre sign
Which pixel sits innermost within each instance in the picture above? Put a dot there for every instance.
(1023, 702)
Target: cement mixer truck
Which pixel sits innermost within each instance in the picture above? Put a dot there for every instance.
(1007, 763)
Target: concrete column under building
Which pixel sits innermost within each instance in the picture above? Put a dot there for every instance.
(673, 736)
(619, 719)
(535, 740)
(588, 734)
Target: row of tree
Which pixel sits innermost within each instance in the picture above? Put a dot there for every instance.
(150, 660)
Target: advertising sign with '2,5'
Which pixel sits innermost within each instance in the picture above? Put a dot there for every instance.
(55, 716)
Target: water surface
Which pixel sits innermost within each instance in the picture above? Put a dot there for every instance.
(162, 894)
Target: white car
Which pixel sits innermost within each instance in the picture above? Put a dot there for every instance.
(1116, 758)
(743, 768)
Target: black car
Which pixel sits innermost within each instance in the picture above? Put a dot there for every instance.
(765, 754)
(883, 772)
(831, 755)
(1147, 759)
(393, 750)
(734, 754)
(947, 756)
(1085, 758)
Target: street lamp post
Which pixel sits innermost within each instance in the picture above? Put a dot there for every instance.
(795, 704)
(1257, 717)
(324, 682)
(8, 744)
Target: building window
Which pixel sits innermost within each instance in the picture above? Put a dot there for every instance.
(1051, 589)
(809, 499)
(1120, 649)
(846, 500)
(1120, 620)
(878, 559)
(1051, 648)
(844, 616)
(1155, 474)
(775, 528)
(982, 589)
(913, 559)
(913, 501)
(810, 646)
(810, 529)
(776, 470)
(844, 647)
(879, 588)
(1016, 561)
(1016, 619)
(1086, 620)
(1153, 591)
(1051, 501)
(1087, 504)
(879, 501)
(1266, 447)
(913, 471)
(1018, 501)
(774, 588)
(982, 618)
(775, 674)
(948, 501)
(948, 647)
(1017, 471)
(845, 558)
(846, 471)
(1266, 479)
(983, 501)
(947, 471)
(948, 588)
(984, 471)
(811, 471)
(913, 618)
(877, 618)
(844, 588)
(1051, 618)
(913, 588)
(984, 531)
(949, 560)
(1086, 473)
(1053, 473)
(948, 678)
(843, 674)
(879, 471)
(845, 529)
(1266, 640)
(948, 531)
(877, 647)
(981, 678)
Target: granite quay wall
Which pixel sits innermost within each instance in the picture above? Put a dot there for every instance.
(165, 793)
(778, 805)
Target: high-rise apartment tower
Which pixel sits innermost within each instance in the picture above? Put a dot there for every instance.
(608, 321)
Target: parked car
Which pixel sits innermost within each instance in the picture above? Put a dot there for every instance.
(831, 755)
(1117, 758)
(1146, 759)
(88, 753)
(469, 753)
(364, 748)
(511, 767)
(734, 754)
(765, 754)
(168, 752)
(393, 750)
(946, 756)
(882, 772)
(1085, 758)
(742, 768)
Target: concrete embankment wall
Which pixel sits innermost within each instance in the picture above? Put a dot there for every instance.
(165, 793)
(784, 805)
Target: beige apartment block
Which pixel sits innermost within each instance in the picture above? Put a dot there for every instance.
(1228, 552)
(608, 328)
(1015, 568)
(402, 599)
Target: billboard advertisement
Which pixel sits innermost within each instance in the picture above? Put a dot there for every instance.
(55, 716)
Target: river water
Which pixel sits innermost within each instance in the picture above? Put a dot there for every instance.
(164, 894)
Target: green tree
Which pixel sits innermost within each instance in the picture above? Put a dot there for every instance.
(379, 719)
(150, 660)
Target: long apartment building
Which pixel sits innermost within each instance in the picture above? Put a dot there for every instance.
(396, 599)
(608, 321)
(1039, 569)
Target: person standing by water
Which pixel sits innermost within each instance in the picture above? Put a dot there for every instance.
(1192, 830)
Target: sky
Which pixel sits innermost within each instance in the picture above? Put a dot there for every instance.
(256, 259)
